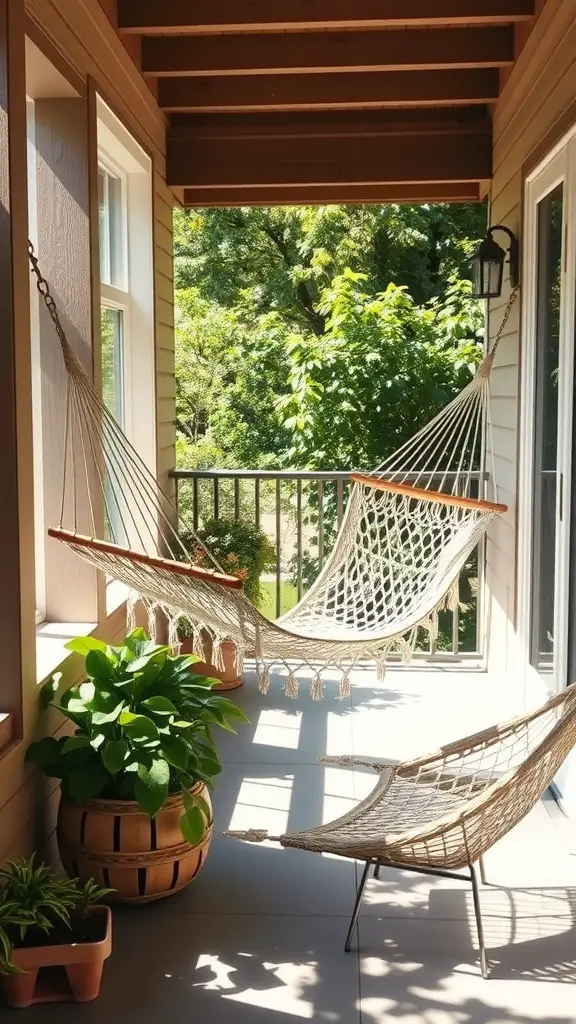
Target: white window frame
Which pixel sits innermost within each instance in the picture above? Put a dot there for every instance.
(559, 166)
(121, 156)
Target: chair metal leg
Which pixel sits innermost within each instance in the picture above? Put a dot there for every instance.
(484, 964)
(482, 871)
(377, 867)
(357, 905)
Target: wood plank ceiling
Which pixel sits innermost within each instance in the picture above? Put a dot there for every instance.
(285, 101)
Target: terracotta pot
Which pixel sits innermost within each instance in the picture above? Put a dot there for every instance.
(117, 844)
(78, 978)
(229, 674)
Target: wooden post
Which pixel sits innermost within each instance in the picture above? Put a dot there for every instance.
(17, 589)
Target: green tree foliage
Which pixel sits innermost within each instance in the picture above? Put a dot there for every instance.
(291, 320)
(382, 369)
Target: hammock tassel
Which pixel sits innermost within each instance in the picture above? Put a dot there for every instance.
(381, 659)
(133, 598)
(345, 687)
(405, 650)
(263, 678)
(152, 621)
(198, 643)
(217, 654)
(173, 638)
(317, 686)
(432, 625)
(291, 685)
(239, 659)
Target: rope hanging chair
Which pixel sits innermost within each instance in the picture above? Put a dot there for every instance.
(405, 537)
(442, 812)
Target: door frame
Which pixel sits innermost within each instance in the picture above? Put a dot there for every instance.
(558, 166)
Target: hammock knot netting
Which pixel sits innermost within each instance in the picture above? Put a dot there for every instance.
(409, 528)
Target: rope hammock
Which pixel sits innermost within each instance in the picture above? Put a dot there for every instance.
(405, 537)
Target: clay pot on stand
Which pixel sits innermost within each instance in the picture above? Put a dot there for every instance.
(75, 968)
(230, 680)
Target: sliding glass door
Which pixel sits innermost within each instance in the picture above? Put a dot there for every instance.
(547, 495)
(546, 468)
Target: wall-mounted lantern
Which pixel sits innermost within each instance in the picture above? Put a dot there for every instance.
(488, 265)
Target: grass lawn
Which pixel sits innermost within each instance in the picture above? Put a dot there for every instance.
(287, 598)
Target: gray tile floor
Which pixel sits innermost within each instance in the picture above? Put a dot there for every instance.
(259, 935)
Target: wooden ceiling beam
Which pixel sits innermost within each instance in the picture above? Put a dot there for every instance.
(458, 154)
(345, 125)
(297, 53)
(305, 195)
(151, 17)
(376, 90)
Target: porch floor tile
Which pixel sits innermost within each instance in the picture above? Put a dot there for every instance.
(259, 936)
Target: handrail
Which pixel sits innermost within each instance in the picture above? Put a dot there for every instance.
(300, 511)
(298, 474)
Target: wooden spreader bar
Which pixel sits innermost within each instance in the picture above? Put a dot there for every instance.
(169, 565)
(421, 494)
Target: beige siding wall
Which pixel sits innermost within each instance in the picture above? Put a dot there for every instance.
(83, 34)
(84, 37)
(540, 89)
(164, 289)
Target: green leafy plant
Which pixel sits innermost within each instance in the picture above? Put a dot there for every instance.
(143, 729)
(33, 897)
(240, 548)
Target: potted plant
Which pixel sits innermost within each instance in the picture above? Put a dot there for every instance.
(48, 921)
(241, 550)
(135, 810)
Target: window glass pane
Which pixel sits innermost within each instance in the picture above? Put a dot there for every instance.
(546, 428)
(113, 398)
(113, 362)
(111, 229)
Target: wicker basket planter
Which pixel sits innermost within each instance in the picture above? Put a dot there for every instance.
(77, 968)
(117, 844)
(230, 680)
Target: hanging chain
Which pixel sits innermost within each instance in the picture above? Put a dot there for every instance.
(507, 311)
(44, 289)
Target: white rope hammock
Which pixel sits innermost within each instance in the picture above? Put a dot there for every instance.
(405, 537)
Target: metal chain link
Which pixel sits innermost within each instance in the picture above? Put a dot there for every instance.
(70, 359)
(44, 289)
(507, 311)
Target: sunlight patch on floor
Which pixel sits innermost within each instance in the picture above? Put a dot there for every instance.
(277, 728)
(263, 803)
(281, 986)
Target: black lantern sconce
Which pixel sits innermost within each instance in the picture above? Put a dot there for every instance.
(488, 265)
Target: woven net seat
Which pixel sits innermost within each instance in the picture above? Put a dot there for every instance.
(440, 813)
(446, 809)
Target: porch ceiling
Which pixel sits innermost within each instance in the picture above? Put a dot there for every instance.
(326, 100)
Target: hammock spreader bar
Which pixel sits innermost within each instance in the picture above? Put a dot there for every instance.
(420, 494)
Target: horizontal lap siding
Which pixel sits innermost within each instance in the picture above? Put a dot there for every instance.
(165, 381)
(539, 90)
(81, 32)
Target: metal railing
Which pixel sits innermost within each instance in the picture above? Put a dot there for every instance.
(301, 511)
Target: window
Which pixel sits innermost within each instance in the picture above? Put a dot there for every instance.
(112, 332)
(111, 218)
(126, 301)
